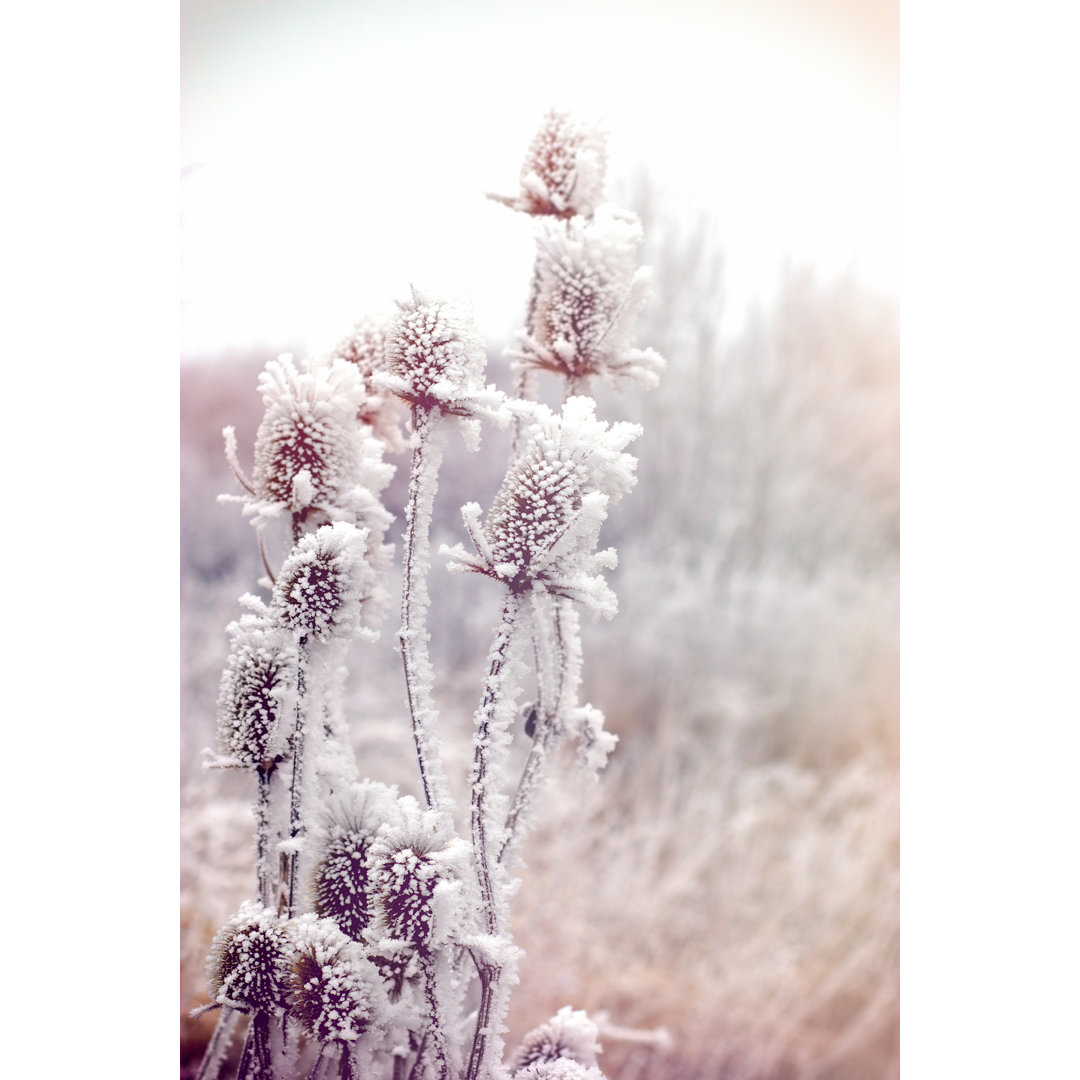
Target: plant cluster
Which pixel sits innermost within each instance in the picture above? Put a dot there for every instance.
(378, 943)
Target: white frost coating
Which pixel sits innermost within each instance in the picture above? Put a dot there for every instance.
(249, 962)
(595, 745)
(569, 1035)
(563, 172)
(589, 292)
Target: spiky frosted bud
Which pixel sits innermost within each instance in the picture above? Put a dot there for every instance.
(568, 1035)
(250, 962)
(589, 292)
(257, 688)
(341, 887)
(335, 990)
(436, 358)
(560, 1069)
(365, 349)
(313, 458)
(325, 581)
(563, 171)
(417, 869)
(545, 519)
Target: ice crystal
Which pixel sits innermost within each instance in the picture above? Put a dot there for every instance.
(588, 295)
(313, 458)
(250, 961)
(435, 360)
(257, 688)
(569, 1035)
(325, 582)
(336, 990)
(341, 885)
(416, 868)
(545, 519)
(563, 172)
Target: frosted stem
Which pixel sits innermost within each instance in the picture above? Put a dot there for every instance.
(290, 861)
(486, 743)
(256, 1062)
(262, 835)
(218, 1047)
(566, 667)
(428, 446)
(435, 1036)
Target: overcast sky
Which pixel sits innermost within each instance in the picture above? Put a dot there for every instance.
(337, 150)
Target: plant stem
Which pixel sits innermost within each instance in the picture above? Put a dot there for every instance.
(427, 455)
(290, 861)
(218, 1047)
(565, 665)
(489, 739)
(262, 834)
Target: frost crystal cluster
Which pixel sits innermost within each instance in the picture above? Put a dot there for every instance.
(378, 943)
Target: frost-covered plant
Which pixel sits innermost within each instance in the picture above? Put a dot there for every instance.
(563, 172)
(396, 956)
(588, 293)
(569, 1035)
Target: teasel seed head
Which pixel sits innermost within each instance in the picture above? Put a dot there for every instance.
(569, 1035)
(365, 349)
(417, 871)
(559, 1069)
(257, 688)
(545, 519)
(563, 171)
(250, 962)
(324, 583)
(341, 886)
(435, 361)
(335, 989)
(589, 291)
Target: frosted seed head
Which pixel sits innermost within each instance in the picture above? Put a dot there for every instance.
(341, 887)
(336, 992)
(250, 961)
(365, 349)
(417, 870)
(568, 1035)
(589, 292)
(563, 171)
(257, 690)
(545, 520)
(559, 1069)
(324, 583)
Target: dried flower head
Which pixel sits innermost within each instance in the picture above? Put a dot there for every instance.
(341, 886)
(313, 458)
(545, 519)
(435, 360)
(417, 871)
(256, 692)
(568, 1035)
(588, 295)
(563, 172)
(324, 583)
(560, 1069)
(336, 990)
(250, 961)
(365, 349)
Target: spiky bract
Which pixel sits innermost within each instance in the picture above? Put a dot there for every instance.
(568, 1035)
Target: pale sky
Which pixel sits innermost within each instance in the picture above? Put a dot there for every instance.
(338, 150)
